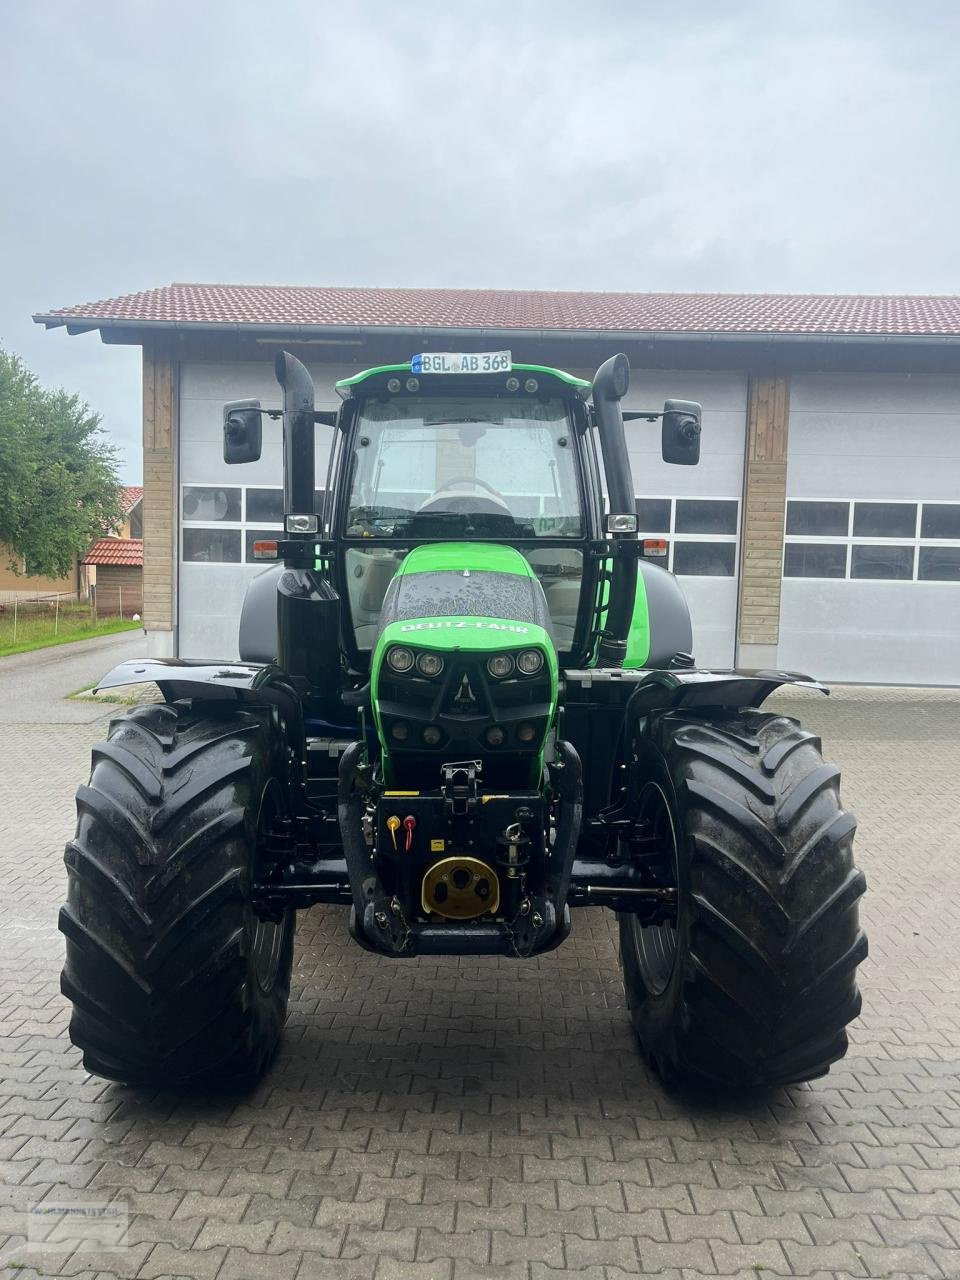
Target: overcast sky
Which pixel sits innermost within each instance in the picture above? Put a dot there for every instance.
(713, 145)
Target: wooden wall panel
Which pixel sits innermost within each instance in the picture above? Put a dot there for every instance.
(765, 492)
(160, 428)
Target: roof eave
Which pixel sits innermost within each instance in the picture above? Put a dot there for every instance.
(77, 325)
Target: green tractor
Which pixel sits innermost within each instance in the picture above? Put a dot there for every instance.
(466, 705)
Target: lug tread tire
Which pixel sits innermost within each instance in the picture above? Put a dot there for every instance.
(158, 923)
(768, 937)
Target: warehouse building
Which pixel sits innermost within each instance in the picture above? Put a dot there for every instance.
(820, 532)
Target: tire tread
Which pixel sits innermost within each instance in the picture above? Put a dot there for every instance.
(767, 982)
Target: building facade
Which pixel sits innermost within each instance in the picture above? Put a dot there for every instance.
(820, 532)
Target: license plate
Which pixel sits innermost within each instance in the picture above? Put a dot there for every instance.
(462, 362)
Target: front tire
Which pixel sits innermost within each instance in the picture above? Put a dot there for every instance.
(173, 977)
(753, 981)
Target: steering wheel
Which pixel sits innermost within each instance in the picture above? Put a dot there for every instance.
(471, 480)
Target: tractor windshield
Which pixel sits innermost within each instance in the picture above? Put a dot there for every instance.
(454, 466)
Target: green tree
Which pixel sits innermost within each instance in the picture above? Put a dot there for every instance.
(58, 480)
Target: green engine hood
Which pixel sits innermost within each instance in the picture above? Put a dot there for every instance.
(464, 602)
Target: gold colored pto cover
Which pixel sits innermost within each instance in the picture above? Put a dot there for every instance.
(460, 888)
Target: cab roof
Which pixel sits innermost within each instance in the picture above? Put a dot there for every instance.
(345, 387)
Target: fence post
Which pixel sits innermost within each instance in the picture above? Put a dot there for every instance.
(56, 620)
(16, 601)
(120, 592)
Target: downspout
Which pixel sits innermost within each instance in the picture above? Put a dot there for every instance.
(609, 387)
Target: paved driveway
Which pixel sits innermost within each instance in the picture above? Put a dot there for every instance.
(432, 1118)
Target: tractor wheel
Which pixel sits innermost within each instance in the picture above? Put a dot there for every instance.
(753, 980)
(173, 978)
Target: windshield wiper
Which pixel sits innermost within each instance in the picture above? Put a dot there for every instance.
(453, 422)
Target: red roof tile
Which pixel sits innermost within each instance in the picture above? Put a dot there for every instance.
(213, 305)
(117, 551)
(131, 495)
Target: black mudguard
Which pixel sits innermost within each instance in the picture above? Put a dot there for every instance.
(602, 709)
(712, 690)
(261, 684)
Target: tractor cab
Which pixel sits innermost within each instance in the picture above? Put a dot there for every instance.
(505, 457)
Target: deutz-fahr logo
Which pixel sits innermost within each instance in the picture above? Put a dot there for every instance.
(461, 625)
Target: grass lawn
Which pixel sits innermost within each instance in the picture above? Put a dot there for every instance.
(37, 629)
(86, 694)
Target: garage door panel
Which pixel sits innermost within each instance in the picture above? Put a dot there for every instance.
(717, 474)
(872, 393)
(924, 435)
(858, 476)
(213, 595)
(872, 632)
(724, 400)
(238, 380)
(723, 392)
(713, 608)
(868, 611)
(201, 462)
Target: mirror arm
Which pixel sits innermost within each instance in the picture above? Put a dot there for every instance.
(326, 417)
(633, 415)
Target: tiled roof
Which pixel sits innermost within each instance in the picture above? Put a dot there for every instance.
(213, 305)
(131, 495)
(119, 551)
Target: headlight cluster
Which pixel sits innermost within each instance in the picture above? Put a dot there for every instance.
(528, 662)
(401, 659)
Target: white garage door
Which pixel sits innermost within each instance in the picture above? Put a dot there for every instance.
(223, 509)
(695, 510)
(871, 587)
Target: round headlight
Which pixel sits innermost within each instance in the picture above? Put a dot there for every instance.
(500, 665)
(531, 385)
(400, 659)
(413, 384)
(530, 661)
(429, 664)
(432, 735)
(513, 384)
(393, 385)
(495, 736)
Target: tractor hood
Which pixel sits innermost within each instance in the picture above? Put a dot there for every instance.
(464, 665)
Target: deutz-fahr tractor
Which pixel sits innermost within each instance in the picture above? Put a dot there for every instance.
(466, 705)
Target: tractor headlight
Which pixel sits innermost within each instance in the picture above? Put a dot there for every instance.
(530, 661)
(400, 659)
(429, 664)
(500, 665)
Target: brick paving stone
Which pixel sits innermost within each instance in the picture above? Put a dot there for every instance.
(480, 1118)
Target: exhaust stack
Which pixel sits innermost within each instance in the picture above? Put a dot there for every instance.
(610, 385)
(298, 435)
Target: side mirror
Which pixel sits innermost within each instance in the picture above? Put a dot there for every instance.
(680, 434)
(242, 431)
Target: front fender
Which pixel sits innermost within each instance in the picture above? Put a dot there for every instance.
(250, 682)
(645, 691)
(186, 678)
(713, 690)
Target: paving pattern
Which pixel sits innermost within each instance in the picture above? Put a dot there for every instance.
(441, 1120)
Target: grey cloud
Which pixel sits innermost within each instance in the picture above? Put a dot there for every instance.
(804, 147)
